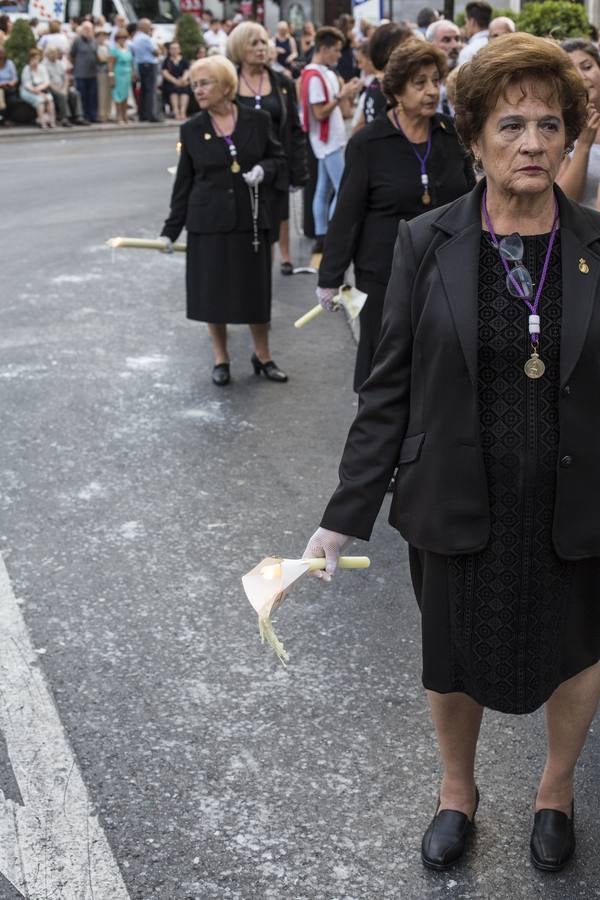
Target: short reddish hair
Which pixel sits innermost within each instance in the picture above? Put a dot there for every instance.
(517, 59)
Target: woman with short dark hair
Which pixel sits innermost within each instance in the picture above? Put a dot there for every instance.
(396, 168)
(484, 396)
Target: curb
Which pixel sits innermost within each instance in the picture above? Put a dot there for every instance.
(18, 132)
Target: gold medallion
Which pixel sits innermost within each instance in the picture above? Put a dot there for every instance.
(207, 136)
(235, 167)
(583, 266)
(426, 198)
(534, 367)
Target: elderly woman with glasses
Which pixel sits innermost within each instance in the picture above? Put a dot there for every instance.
(229, 165)
(484, 396)
(261, 88)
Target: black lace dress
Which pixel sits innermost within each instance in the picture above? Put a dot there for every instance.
(509, 624)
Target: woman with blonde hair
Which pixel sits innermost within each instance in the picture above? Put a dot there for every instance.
(262, 88)
(230, 165)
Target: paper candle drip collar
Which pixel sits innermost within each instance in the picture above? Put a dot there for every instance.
(267, 584)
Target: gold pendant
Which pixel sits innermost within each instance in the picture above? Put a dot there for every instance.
(534, 367)
(426, 199)
(235, 167)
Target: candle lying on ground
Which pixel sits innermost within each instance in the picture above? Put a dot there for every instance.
(267, 584)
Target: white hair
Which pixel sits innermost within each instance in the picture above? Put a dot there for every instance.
(433, 28)
(504, 20)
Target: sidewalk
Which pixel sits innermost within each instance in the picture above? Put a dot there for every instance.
(18, 132)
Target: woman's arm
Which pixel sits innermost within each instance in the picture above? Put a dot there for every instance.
(167, 74)
(346, 225)
(573, 172)
(184, 180)
(294, 51)
(373, 445)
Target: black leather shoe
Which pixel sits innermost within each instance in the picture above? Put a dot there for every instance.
(552, 839)
(445, 839)
(269, 369)
(287, 268)
(221, 375)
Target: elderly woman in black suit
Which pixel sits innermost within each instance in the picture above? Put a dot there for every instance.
(397, 167)
(261, 88)
(229, 165)
(484, 395)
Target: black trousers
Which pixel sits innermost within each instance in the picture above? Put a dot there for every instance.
(370, 326)
(147, 91)
(88, 91)
(68, 106)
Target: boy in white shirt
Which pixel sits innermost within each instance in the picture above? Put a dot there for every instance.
(321, 92)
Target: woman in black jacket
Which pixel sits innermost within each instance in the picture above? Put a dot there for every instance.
(261, 88)
(230, 166)
(396, 168)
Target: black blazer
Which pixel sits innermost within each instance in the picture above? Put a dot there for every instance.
(381, 184)
(419, 410)
(289, 133)
(208, 198)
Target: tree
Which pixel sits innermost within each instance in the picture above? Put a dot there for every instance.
(188, 34)
(559, 19)
(19, 43)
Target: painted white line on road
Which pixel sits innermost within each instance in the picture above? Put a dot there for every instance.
(52, 846)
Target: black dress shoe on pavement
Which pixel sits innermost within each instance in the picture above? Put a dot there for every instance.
(221, 375)
(445, 839)
(268, 369)
(552, 839)
(287, 268)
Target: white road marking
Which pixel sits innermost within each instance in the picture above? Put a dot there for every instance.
(52, 846)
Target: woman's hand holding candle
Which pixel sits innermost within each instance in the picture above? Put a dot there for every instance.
(329, 544)
(325, 297)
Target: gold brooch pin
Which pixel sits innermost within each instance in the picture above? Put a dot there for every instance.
(583, 266)
(207, 136)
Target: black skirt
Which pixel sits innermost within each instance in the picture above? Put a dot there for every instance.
(227, 282)
(509, 624)
(370, 326)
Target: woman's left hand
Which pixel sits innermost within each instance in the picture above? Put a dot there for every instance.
(254, 176)
(325, 297)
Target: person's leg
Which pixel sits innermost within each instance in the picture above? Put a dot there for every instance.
(50, 111)
(335, 169)
(218, 335)
(175, 104)
(153, 99)
(569, 714)
(93, 89)
(260, 338)
(184, 99)
(74, 101)
(321, 200)
(60, 105)
(284, 240)
(457, 720)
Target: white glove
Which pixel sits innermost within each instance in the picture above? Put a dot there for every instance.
(254, 176)
(325, 297)
(329, 544)
(167, 244)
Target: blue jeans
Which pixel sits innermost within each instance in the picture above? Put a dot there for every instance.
(329, 176)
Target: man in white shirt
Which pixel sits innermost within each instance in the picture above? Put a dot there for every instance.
(478, 17)
(215, 36)
(321, 92)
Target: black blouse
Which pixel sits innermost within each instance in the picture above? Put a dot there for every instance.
(381, 185)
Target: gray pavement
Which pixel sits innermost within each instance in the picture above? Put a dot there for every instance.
(134, 495)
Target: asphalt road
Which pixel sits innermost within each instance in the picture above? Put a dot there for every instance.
(134, 495)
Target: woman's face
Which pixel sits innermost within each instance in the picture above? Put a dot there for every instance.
(421, 94)
(174, 50)
(209, 92)
(523, 140)
(590, 72)
(256, 52)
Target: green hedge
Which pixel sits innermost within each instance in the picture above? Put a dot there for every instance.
(557, 18)
(189, 35)
(20, 42)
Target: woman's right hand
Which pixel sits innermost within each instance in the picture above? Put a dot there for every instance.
(329, 544)
(325, 297)
(167, 244)
(588, 134)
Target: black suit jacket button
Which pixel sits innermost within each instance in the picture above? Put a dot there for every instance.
(230, 190)
(566, 461)
(566, 390)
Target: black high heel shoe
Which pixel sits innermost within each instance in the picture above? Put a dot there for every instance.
(445, 839)
(221, 375)
(268, 369)
(552, 839)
